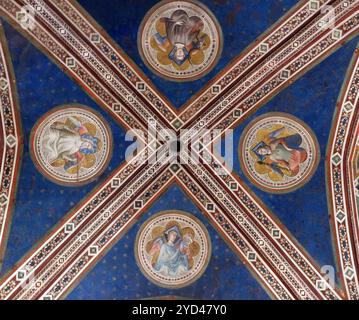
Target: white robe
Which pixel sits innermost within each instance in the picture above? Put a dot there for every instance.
(60, 144)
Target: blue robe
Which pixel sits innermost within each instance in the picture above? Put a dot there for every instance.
(171, 259)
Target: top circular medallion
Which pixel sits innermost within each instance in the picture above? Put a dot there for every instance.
(180, 40)
(71, 145)
(278, 152)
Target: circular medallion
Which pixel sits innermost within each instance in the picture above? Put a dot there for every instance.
(71, 145)
(278, 152)
(173, 249)
(180, 40)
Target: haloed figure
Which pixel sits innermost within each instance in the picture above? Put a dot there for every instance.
(173, 252)
(281, 154)
(69, 142)
(183, 36)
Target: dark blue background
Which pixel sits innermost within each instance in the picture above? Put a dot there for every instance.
(40, 203)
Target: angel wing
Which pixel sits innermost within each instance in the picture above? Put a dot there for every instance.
(62, 127)
(156, 246)
(276, 133)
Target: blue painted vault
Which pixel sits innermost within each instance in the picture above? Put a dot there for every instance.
(40, 204)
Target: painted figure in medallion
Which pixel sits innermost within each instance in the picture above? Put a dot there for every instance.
(281, 153)
(172, 250)
(179, 40)
(278, 152)
(71, 144)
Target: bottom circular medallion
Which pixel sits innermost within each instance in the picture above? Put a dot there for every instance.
(173, 249)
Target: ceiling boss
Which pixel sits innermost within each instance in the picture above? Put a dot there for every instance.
(180, 40)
